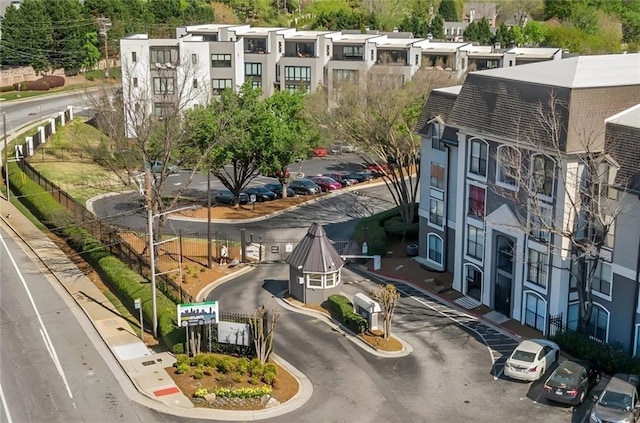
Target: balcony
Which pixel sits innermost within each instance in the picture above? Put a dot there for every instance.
(255, 45)
(350, 53)
(307, 49)
(392, 57)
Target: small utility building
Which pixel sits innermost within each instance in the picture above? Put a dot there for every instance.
(314, 268)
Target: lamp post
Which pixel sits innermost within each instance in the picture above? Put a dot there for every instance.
(152, 264)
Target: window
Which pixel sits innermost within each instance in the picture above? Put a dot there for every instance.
(341, 76)
(328, 51)
(194, 59)
(476, 201)
(314, 280)
(607, 174)
(160, 110)
(297, 73)
(293, 88)
(475, 242)
(535, 312)
(602, 279)
(610, 237)
(279, 46)
(436, 137)
(353, 52)
(256, 84)
(220, 84)
(417, 62)
(163, 85)
(478, 157)
(537, 267)
(220, 60)
(372, 56)
(135, 82)
(508, 165)
(436, 211)
(134, 56)
(195, 83)
(540, 223)
(253, 69)
(332, 279)
(543, 173)
(434, 249)
(161, 56)
(437, 175)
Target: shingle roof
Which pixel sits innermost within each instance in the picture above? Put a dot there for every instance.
(623, 143)
(439, 103)
(315, 253)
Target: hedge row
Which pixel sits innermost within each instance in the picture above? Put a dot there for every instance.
(128, 284)
(42, 84)
(343, 310)
(608, 358)
(371, 229)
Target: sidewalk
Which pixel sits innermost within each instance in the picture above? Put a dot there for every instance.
(144, 368)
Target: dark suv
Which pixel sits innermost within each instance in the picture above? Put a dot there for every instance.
(304, 187)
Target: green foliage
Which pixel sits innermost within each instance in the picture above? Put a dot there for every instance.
(183, 368)
(201, 393)
(256, 392)
(396, 226)
(226, 365)
(479, 31)
(199, 360)
(609, 358)
(371, 229)
(198, 373)
(182, 359)
(346, 19)
(27, 35)
(256, 368)
(6, 88)
(242, 365)
(270, 373)
(448, 11)
(343, 311)
(212, 360)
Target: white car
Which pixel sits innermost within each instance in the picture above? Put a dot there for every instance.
(531, 359)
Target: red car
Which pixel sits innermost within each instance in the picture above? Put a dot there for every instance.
(378, 169)
(320, 152)
(326, 183)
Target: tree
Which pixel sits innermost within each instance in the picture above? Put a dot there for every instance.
(381, 125)
(262, 330)
(91, 51)
(534, 33)
(448, 11)
(27, 35)
(585, 174)
(280, 127)
(504, 36)
(69, 27)
(479, 31)
(437, 28)
(387, 295)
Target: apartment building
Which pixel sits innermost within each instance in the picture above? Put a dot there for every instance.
(470, 222)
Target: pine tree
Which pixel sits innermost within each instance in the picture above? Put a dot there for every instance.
(448, 11)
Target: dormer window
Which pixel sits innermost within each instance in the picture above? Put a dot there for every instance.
(543, 171)
(478, 152)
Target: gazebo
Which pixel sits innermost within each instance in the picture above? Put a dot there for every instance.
(314, 268)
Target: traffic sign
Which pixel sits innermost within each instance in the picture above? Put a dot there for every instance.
(136, 303)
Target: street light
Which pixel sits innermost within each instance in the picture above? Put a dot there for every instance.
(152, 264)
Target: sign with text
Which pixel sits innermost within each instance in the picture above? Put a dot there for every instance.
(197, 314)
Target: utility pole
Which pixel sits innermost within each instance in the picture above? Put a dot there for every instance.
(6, 161)
(105, 25)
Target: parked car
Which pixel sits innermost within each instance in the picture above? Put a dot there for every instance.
(531, 359)
(570, 382)
(261, 193)
(618, 402)
(342, 178)
(226, 197)
(378, 169)
(304, 187)
(320, 152)
(360, 176)
(277, 190)
(350, 148)
(157, 166)
(335, 149)
(326, 183)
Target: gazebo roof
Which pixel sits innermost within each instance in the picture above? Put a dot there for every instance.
(315, 253)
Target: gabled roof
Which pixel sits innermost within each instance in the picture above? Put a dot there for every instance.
(315, 253)
(439, 103)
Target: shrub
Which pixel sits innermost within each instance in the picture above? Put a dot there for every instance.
(198, 373)
(226, 365)
(254, 380)
(256, 392)
(53, 81)
(242, 365)
(343, 310)
(372, 230)
(7, 88)
(269, 377)
(182, 368)
(182, 359)
(178, 348)
(396, 226)
(201, 393)
(199, 360)
(211, 360)
(208, 370)
(37, 85)
(256, 368)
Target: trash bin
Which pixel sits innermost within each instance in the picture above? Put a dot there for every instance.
(412, 250)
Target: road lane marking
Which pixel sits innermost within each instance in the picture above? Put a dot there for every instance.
(5, 406)
(43, 330)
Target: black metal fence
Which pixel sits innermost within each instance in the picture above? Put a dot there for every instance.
(555, 325)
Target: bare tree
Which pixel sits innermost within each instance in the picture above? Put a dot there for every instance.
(262, 330)
(144, 123)
(378, 114)
(573, 158)
(387, 295)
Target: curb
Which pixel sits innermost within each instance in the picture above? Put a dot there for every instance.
(202, 294)
(407, 349)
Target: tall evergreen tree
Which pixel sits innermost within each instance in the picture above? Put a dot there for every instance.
(70, 24)
(448, 11)
(479, 31)
(26, 35)
(437, 28)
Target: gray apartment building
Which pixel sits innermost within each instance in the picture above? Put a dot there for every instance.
(493, 231)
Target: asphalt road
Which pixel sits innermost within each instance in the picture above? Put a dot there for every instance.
(447, 378)
(50, 369)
